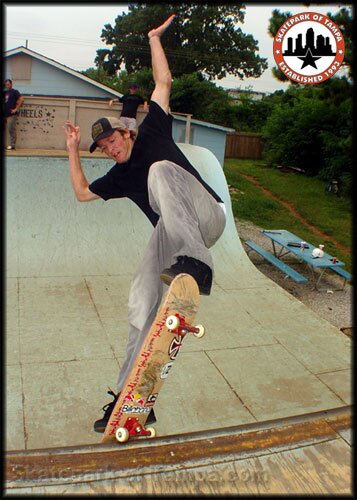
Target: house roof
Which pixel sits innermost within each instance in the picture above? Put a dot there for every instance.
(200, 122)
(245, 91)
(62, 67)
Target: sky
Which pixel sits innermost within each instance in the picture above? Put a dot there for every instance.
(70, 33)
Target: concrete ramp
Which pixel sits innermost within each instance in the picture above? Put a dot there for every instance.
(69, 265)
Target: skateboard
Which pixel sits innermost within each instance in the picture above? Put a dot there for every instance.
(154, 361)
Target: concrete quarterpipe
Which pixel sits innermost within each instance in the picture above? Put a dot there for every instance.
(265, 357)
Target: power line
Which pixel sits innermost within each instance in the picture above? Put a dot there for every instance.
(128, 46)
(53, 39)
(131, 48)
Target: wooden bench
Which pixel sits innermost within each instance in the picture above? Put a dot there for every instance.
(287, 270)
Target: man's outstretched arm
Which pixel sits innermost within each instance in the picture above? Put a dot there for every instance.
(78, 179)
(160, 67)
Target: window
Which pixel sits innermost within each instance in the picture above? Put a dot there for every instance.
(20, 66)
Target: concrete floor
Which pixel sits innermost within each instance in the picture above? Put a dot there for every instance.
(69, 265)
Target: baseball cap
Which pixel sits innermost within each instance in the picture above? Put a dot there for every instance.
(133, 86)
(104, 127)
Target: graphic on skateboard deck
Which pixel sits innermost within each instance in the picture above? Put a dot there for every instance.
(157, 355)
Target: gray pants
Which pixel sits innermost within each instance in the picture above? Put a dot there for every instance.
(11, 126)
(191, 221)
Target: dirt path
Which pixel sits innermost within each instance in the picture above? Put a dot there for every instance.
(296, 214)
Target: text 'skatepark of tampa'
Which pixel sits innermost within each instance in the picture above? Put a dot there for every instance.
(309, 48)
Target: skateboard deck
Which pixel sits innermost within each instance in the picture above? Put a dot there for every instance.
(154, 361)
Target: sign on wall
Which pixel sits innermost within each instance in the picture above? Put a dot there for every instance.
(35, 117)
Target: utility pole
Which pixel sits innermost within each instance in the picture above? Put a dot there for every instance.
(27, 42)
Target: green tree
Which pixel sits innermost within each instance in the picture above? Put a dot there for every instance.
(201, 98)
(100, 75)
(251, 115)
(311, 127)
(121, 81)
(203, 38)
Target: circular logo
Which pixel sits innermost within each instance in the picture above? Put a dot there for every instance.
(309, 48)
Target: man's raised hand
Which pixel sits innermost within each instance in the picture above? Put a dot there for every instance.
(73, 135)
(161, 29)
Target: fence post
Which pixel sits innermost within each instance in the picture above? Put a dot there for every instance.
(188, 129)
(72, 110)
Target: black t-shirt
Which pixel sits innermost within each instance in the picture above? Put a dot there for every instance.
(131, 102)
(154, 142)
(10, 99)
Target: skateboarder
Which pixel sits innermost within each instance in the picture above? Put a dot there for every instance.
(187, 215)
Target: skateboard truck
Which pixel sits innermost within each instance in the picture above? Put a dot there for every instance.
(176, 324)
(132, 427)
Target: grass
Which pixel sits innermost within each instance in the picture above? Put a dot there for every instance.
(329, 213)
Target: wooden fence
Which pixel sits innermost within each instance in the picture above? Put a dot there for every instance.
(244, 145)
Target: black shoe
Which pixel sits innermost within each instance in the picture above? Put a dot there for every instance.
(151, 417)
(197, 269)
(100, 425)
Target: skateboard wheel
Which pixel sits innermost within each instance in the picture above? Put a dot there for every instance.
(152, 431)
(122, 434)
(201, 331)
(172, 322)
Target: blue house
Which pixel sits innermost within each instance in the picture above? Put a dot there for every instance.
(37, 75)
(41, 79)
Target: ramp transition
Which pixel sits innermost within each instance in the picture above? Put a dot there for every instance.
(265, 356)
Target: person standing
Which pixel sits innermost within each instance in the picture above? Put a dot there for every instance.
(13, 100)
(130, 102)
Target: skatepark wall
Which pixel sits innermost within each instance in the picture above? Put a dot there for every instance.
(41, 118)
(51, 234)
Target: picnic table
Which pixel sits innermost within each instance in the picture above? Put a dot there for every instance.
(284, 243)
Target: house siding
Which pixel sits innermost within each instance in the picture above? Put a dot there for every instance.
(202, 135)
(50, 81)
